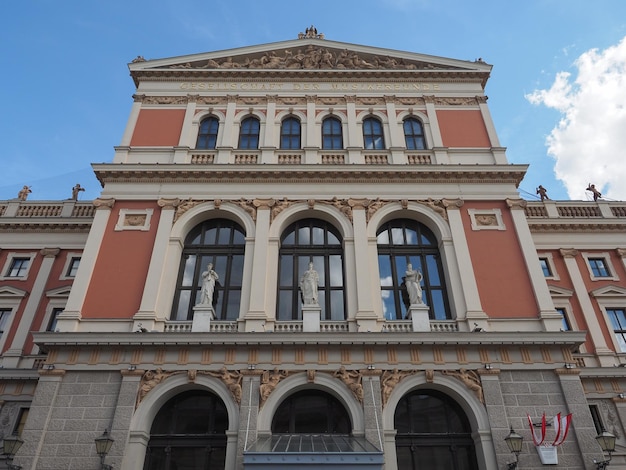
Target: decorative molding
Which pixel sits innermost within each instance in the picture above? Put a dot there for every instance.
(471, 379)
(49, 252)
(134, 219)
(486, 219)
(390, 379)
(269, 381)
(169, 203)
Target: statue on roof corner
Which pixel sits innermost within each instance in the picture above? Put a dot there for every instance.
(310, 33)
(596, 194)
(543, 193)
(22, 195)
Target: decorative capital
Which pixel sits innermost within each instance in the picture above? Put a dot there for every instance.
(569, 252)
(264, 203)
(621, 252)
(169, 203)
(516, 203)
(361, 203)
(104, 203)
(138, 98)
(50, 252)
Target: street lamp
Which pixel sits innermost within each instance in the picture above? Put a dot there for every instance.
(514, 443)
(10, 447)
(103, 446)
(606, 440)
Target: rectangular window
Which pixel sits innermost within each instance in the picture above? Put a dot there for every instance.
(18, 267)
(545, 267)
(599, 267)
(73, 267)
(618, 321)
(5, 314)
(21, 421)
(52, 324)
(565, 326)
(597, 419)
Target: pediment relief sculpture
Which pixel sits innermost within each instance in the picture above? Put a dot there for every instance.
(312, 57)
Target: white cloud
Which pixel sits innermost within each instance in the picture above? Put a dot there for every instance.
(589, 142)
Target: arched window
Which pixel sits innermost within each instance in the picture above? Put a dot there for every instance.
(189, 431)
(222, 243)
(414, 134)
(373, 134)
(311, 411)
(306, 241)
(402, 242)
(332, 138)
(249, 134)
(433, 432)
(207, 135)
(290, 133)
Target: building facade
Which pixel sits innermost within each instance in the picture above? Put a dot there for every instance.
(310, 253)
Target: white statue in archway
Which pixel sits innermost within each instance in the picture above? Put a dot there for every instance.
(308, 286)
(413, 281)
(209, 278)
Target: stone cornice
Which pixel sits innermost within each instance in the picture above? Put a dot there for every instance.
(46, 226)
(604, 225)
(528, 339)
(348, 174)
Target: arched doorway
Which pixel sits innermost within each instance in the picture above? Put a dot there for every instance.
(188, 433)
(433, 432)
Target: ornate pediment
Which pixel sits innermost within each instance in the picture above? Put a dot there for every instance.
(310, 53)
(11, 292)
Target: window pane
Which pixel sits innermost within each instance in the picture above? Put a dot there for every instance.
(285, 309)
(234, 301)
(318, 236)
(286, 271)
(433, 270)
(383, 238)
(336, 305)
(190, 266)
(389, 308)
(335, 270)
(183, 305)
(236, 273)
(438, 308)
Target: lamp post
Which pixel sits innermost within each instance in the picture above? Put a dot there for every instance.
(606, 440)
(103, 446)
(10, 447)
(514, 443)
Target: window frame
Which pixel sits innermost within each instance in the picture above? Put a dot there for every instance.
(398, 255)
(549, 261)
(255, 136)
(412, 136)
(210, 252)
(8, 266)
(331, 134)
(294, 138)
(372, 140)
(70, 258)
(608, 264)
(296, 254)
(208, 135)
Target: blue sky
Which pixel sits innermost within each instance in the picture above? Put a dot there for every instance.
(557, 92)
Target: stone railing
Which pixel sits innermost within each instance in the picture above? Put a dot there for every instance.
(395, 326)
(287, 159)
(185, 327)
(330, 159)
(47, 209)
(376, 159)
(246, 159)
(418, 159)
(575, 210)
(203, 158)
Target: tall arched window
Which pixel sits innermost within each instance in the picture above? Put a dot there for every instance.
(207, 135)
(414, 134)
(189, 432)
(222, 243)
(249, 134)
(311, 411)
(306, 241)
(373, 138)
(290, 133)
(433, 432)
(405, 241)
(332, 138)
